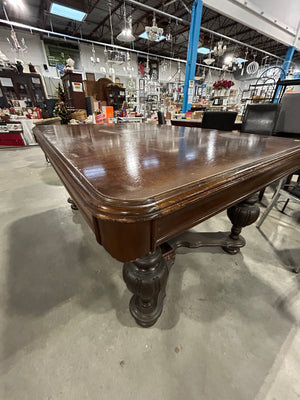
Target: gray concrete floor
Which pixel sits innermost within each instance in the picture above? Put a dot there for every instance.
(229, 329)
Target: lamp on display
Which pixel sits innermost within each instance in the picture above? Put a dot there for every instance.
(209, 60)
(15, 45)
(154, 32)
(128, 67)
(126, 34)
(219, 49)
(93, 58)
(231, 64)
(115, 56)
(169, 37)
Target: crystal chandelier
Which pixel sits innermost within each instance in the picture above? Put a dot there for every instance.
(154, 32)
(15, 45)
(128, 67)
(151, 84)
(231, 64)
(220, 49)
(209, 60)
(126, 34)
(169, 37)
(93, 58)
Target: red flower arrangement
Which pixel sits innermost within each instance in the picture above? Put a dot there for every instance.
(223, 84)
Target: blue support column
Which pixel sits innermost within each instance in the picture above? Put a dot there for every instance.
(285, 67)
(192, 51)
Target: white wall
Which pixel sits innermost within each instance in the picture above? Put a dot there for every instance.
(37, 56)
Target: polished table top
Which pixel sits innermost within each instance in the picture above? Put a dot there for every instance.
(142, 173)
(198, 123)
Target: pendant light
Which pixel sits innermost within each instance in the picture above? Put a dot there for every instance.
(126, 34)
(154, 32)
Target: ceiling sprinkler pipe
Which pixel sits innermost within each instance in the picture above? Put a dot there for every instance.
(142, 5)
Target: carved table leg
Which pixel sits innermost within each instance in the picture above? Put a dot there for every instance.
(73, 205)
(241, 215)
(146, 278)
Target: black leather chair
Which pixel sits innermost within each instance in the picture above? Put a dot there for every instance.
(161, 118)
(260, 119)
(288, 122)
(221, 120)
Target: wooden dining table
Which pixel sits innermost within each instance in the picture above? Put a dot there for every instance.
(142, 187)
(197, 123)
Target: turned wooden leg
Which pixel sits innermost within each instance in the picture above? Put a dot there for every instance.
(146, 278)
(241, 215)
(73, 205)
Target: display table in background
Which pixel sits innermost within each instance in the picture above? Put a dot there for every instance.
(17, 132)
(11, 134)
(197, 123)
(140, 187)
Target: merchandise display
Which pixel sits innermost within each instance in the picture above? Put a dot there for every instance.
(136, 136)
(136, 85)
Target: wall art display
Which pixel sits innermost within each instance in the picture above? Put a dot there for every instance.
(58, 52)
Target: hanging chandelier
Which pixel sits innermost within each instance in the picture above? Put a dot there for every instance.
(93, 58)
(154, 32)
(15, 44)
(231, 64)
(219, 49)
(126, 34)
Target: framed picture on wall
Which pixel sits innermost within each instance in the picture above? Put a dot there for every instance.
(58, 51)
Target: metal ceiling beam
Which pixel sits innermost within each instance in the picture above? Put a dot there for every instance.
(157, 11)
(90, 10)
(238, 42)
(106, 18)
(41, 13)
(138, 4)
(114, 46)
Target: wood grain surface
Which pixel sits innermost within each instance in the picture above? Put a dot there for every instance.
(138, 185)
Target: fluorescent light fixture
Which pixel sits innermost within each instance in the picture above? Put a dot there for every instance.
(241, 60)
(67, 12)
(203, 50)
(145, 36)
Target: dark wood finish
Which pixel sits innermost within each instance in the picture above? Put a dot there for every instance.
(197, 123)
(147, 184)
(147, 278)
(115, 96)
(241, 215)
(73, 205)
(140, 186)
(73, 99)
(25, 85)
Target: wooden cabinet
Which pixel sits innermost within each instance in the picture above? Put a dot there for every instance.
(21, 86)
(73, 88)
(115, 96)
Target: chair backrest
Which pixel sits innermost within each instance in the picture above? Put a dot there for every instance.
(260, 118)
(221, 120)
(160, 118)
(288, 123)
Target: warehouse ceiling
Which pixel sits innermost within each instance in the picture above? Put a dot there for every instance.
(96, 26)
